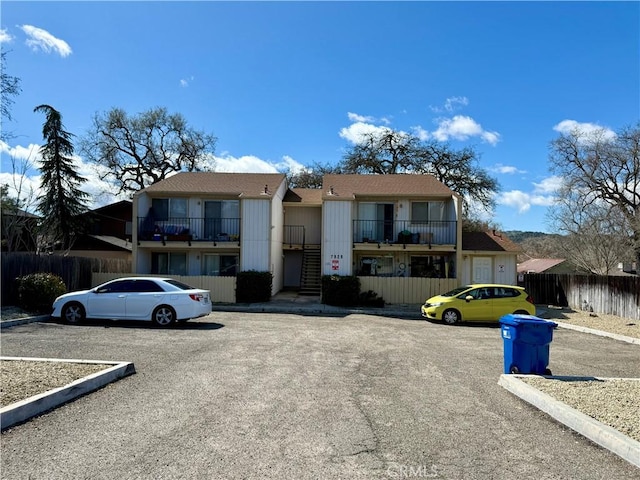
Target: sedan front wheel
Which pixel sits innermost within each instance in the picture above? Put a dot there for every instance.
(163, 316)
(451, 317)
(73, 313)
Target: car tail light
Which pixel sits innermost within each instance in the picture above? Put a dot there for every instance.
(530, 299)
(196, 296)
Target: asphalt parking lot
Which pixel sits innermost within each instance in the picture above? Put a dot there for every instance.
(269, 395)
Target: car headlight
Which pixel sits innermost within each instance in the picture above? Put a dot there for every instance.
(433, 304)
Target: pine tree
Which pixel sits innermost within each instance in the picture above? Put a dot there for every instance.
(62, 201)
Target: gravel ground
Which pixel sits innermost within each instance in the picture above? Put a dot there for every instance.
(614, 402)
(607, 323)
(21, 379)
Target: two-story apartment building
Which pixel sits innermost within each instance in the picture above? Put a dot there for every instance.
(210, 224)
(373, 226)
(390, 225)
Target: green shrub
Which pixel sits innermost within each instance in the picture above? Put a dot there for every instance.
(37, 291)
(371, 299)
(341, 291)
(253, 286)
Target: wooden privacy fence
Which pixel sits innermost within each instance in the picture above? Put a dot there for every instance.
(223, 289)
(394, 290)
(615, 295)
(74, 271)
(407, 290)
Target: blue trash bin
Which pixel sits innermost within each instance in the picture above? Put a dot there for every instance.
(526, 340)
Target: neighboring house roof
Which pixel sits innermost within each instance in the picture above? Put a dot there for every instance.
(216, 183)
(539, 265)
(113, 206)
(307, 196)
(115, 241)
(351, 185)
(492, 241)
(18, 212)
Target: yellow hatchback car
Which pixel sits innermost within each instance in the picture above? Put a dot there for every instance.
(478, 302)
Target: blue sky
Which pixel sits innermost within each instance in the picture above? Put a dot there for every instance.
(286, 84)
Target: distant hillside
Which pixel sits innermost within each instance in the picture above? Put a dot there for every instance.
(537, 244)
(519, 236)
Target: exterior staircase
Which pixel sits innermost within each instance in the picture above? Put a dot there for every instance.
(311, 277)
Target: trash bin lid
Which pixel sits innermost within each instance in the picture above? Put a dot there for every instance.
(516, 319)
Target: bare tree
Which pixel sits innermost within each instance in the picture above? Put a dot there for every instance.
(391, 151)
(600, 197)
(9, 87)
(311, 177)
(18, 199)
(137, 151)
(596, 240)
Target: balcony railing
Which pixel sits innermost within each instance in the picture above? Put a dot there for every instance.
(189, 229)
(294, 235)
(405, 232)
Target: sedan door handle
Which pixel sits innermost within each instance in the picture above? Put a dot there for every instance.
(121, 296)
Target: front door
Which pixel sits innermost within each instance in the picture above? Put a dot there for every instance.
(481, 270)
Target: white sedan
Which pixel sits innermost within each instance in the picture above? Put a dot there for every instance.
(161, 300)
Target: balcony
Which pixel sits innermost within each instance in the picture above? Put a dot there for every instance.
(405, 232)
(294, 235)
(191, 229)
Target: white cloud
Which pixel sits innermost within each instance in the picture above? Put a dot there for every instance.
(543, 195)
(588, 130)
(455, 103)
(19, 153)
(39, 39)
(421, 133)
(516, 199)
(355, 132)
(461, 127)
(507, 169)
(549, 185)
(252, 164)
(354, 117)
(451, 104)
(5, 37)
(184, 82)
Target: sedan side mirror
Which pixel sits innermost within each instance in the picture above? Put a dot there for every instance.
(468, 298)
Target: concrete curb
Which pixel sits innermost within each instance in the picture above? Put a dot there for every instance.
(605, 436)
(601, 333)
(25, 409)
(21, 321)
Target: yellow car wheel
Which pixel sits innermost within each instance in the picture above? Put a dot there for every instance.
(451, 316)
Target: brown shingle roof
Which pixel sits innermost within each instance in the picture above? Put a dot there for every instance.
(247, 184)
(489, 242)
(349, 186)
(539, 265)
(307, 196)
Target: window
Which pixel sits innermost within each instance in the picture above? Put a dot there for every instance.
(117, 286)
(433, 266)
(168, 208)
(219, 265)
(376, 266)
(146, 286)
(422, 212)
(169, 263)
